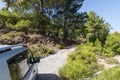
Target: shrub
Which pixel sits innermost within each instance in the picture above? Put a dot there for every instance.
(109, 74)
(41, 51)
(107, 52)
(59, 46)
(112, 46)
(81, 64)
(23, 25)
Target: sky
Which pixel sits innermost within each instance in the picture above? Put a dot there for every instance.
(108, 9)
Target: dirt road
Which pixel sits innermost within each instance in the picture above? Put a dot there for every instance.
(48, 67)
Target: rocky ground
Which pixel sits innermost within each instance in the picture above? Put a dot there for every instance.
(106, 65)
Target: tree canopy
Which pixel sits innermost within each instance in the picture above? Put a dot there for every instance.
(57, 18)
(97, 28)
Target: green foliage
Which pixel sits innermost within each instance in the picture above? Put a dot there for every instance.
(13, 21)
(41, 51)
(3, 17)
(1, 26)
(57, 18)
(97, 49)
(107, 52)
(109, 74)
(112, 46)
(81, 64)
(42, 16)
(59, 46)
(112, 61)
(97, 28)
(23, 25)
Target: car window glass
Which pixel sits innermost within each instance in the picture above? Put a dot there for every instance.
(19, 65)
(13, 69)
(23, 66)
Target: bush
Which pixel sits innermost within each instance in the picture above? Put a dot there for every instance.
(23, 25)
(112, 46)
(81, 64)
(41, 51)
(59, 46)
(107, 52)
(109, 74)
(110, 49)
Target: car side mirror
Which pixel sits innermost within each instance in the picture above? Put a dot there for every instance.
(33, 60)
(36, 60)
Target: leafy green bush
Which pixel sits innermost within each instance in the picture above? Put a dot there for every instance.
(23, 25)
(81, 64)
(59, 46)
(40, 50)
(107, 52)
(109, 74)
(112, 46)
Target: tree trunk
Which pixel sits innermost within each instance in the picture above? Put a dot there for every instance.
(65, 32)
(57, 33)
(41, 5)
(42, 29)
(73, 33)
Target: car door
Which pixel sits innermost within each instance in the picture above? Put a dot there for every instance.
(20, 68)
(33, 71)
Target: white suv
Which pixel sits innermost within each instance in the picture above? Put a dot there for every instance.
(17, 63)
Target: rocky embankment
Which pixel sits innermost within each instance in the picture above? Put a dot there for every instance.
(19, 37)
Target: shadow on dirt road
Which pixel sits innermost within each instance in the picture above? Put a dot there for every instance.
(47, 77)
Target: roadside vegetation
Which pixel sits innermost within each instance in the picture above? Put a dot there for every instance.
(83, 62)
(41, 51)
(59, 46)
(109, 74)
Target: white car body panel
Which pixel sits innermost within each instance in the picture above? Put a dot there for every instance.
(4, 70)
